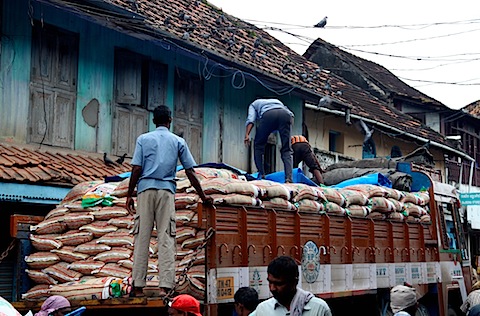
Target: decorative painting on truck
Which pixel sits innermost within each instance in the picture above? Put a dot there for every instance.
(310, 262)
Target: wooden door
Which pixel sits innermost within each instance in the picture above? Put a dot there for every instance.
(53, 86)
(188, 114)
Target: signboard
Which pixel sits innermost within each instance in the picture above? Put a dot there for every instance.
(472, 198)
(225, 289)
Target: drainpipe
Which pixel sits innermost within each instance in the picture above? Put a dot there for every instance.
(470, 178)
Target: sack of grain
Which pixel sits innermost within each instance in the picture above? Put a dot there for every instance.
(381, 204)
(92, 289)
(40, 277)
(113, 270)
(354, 197)
(41, 260)
(79, 190)
(92, 248)
(67, 254)
(310, 206)
(45, 242)
(86, 267)
(56, 212)
(99, 228)
(369, 190)
(62, 273)
(114, 255)
(74, 237)
(272, 189)
(121, 222)
(332, 195)
(49, 226)
(37, 292)
(278, 203)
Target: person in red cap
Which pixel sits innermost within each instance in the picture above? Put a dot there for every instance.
(184, 305)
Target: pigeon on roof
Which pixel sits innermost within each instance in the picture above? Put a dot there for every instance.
(107, 160)
(121, 159)
(322, 23)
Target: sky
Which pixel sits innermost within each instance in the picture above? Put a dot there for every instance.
(433, 46)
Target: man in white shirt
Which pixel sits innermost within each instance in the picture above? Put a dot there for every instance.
(288, 299)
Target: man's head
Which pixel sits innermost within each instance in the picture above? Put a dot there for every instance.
(162, 115)
(246, 300)
(283, 278)
(184, 305)
(403, 298)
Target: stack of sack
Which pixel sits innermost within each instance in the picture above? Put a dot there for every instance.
(84, 247)
(378, 202)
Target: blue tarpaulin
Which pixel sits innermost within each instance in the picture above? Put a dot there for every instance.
(297, 176)
(374, 178)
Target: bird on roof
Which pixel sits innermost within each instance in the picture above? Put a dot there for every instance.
(327, 85)
(121, 159)
(241, 50)
(324, 101)
(322, 23)
(186, 36)
(133, 5)
(257, 42)
(107, 160)
(167, 21)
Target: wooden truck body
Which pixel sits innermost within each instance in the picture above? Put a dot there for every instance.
(341, 259)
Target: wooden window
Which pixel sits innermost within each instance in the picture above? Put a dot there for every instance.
(335, 141)
(53, 86)
(140, 86)
(188, 113)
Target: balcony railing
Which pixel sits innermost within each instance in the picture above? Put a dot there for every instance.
(455, 168)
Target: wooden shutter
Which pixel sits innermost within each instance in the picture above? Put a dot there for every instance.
(188, 114)
(128, 78)
(53, 86)
(157, 80)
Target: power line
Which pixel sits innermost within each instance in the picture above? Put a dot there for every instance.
(459, 83)
(412, 40)
(405, 26)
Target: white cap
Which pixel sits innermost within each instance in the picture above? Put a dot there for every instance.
(401, 297)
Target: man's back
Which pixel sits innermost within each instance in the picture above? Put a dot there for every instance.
(158, 152)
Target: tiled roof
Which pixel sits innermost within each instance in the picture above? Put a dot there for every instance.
(473, 108)
(208, 31)
(366, 106)
(375, 75)
(28, 164)
(226, 36)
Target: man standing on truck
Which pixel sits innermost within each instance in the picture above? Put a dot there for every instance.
(272, 115)
(288, 298)
(302, 151)
(154, 166)
(403, 300)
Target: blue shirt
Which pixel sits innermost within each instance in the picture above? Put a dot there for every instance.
(157, 152)
(258, 107)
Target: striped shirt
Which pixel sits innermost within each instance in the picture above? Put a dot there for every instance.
(472, 299)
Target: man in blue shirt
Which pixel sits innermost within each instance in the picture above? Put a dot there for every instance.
(272, 115)
(154, 167)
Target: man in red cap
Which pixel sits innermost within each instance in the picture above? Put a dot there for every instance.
(184, 305)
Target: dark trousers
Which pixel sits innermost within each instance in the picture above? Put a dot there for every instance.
(303, 152)
(271, 121)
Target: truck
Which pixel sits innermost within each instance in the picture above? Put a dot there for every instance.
(351, 262)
